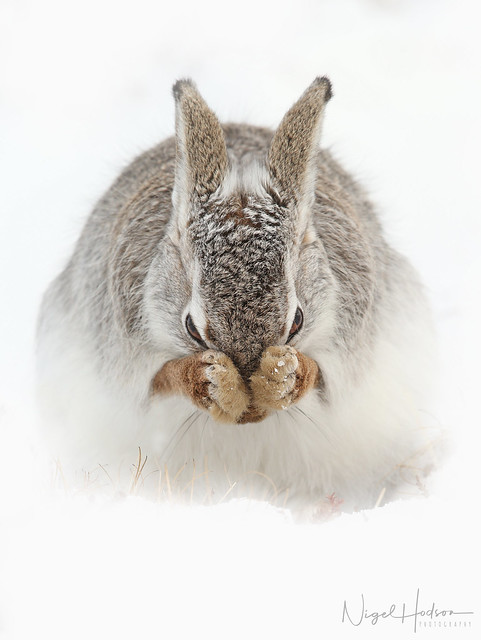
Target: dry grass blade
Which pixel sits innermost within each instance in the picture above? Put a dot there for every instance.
(192, 484)
(380, 498)
(269, 480)
(106, 473)
(227, 493)
(167, 480)
(59, 474)
(137, 472)
(208, 492)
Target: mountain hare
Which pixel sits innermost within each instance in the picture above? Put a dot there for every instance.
(232, 311)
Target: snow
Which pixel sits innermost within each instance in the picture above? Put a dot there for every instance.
(85, 87)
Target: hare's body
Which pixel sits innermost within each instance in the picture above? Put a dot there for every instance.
(115, 316)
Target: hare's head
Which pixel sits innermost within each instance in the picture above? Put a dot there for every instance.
(241, 236)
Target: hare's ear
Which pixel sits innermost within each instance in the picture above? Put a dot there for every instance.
(201, 154)
(292, 154)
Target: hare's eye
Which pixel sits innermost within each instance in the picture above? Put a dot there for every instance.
(297, 324)
(192, 330)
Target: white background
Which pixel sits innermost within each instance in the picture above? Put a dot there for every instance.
(86, 86)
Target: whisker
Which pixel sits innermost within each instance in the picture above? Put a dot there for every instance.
(162, 457)
(288, 413)
(316, 424)
(191, 424)
(305, 414)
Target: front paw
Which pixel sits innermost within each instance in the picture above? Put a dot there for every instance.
(224, 393)
(210, 380)
(283, 377)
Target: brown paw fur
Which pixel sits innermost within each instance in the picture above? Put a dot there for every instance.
(226, 389)
(210, 379)
(283, 377)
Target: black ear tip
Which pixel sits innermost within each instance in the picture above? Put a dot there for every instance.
(326, 85)
(180, 86)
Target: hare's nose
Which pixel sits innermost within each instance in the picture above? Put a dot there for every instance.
(246, 364)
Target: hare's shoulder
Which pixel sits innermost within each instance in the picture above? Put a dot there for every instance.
(341, 201)
(157, 162)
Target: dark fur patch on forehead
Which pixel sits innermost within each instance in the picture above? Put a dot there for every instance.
(237, 211)
(244, 233)
(241, 244)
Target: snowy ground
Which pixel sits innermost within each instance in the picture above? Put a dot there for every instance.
(83, 88)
